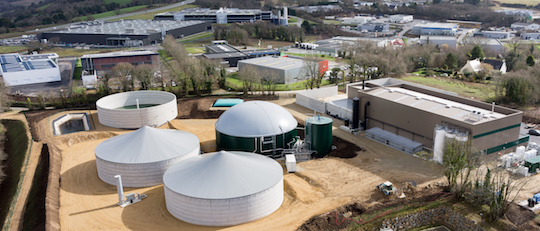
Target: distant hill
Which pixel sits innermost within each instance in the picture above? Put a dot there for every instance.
(24, 13)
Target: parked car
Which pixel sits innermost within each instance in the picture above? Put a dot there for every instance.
(534, 132)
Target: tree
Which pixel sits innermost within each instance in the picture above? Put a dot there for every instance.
(123, 72)
(477, 52)
(310, 71)
(105, 81)
(458, 161)
(3, 98)
(530, 60)
(144, 73)
(306, 26)
(451, 61)
(249, 76)
(334, 75)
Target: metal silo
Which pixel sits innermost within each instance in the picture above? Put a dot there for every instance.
(319, 134)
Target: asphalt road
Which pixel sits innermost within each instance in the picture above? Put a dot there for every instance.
(49, 89)
(119, 16)
(299, 23)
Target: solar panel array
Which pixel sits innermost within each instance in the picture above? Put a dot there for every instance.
(138, 27)
(14, 63)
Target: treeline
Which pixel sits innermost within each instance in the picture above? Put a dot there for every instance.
(522, 6)
(59, 11)
(444, 11)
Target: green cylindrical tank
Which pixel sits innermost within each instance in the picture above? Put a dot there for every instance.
(319, 129)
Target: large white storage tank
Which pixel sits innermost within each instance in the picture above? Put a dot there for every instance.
(142, 157)
(255, 126)
(135, 109)
(223, 188)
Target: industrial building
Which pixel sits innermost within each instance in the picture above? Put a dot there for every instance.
(373, 27)
(357, 20)
(255, 126)
(525, 26)
(126, 32)
(450, 41)
(400, 18)
(487, 44)
(333, 45)
(283, 70)
(535, 35)
(106, 61)
(435, 28)
(142, 157)
(494, 34)
(491, 128)
(230, 55)
(143, 108)
(19, 70)
(223, 188)
(220, 16)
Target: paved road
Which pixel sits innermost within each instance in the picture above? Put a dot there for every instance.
(121, 15)
(66, 72)
(299, 23)
(464, 34)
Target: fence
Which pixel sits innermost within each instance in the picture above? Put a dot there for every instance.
(309, 98)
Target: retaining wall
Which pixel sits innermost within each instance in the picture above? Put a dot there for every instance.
(309, 98)
(441, 215)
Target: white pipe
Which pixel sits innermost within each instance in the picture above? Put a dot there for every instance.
(492, 107)
(119, 189)
(137, 103)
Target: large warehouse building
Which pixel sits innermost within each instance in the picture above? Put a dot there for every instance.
(223, 188)
(284, 70)
(126, 32)
(230, 55)
(220, 16)
(106, 61)
(433, 28)
(142, 157)
(492, 128)
(29, 69)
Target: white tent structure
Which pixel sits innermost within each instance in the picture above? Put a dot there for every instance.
(223, 188)
(142, 157)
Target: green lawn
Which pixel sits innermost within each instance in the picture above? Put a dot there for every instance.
(112, 13)
(293, 20)
(12, 49)
(121, 2)
(327, 57)
(45, 6)
(478, 91)
(150, 15)
(528, 2)
(196, 36)
(237, 84)
(331, 22)
(195, 50)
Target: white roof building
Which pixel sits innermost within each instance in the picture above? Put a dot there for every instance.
(223, 188)
(400, 18)
(22, 70)
(142, 157)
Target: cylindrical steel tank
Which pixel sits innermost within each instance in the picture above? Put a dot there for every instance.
(319, 129)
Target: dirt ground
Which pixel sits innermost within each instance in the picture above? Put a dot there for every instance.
(87, 203)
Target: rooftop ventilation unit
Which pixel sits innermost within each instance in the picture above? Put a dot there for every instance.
(130, 30)
(99, 30)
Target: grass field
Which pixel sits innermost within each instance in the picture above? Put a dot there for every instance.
(478, 91)
(150, 15)
(195, 50)
(45, 6)
(293, 20)
(195, 36)
(112, 13)
(121, 2)
(331, 21)
(528, 2)
(237, 85)
(12, 49)
(318, 55)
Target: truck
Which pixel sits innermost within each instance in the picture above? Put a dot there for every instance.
(387, 187)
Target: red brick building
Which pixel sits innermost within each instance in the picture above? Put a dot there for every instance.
(106, 61)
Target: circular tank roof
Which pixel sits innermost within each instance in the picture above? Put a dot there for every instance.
(147, 145)
(223, 175)
(256, 119)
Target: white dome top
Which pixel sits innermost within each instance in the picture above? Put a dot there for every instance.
(147, 145)
(256, 119)
(223, 175)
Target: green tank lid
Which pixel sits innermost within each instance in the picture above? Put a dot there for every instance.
(318, 120)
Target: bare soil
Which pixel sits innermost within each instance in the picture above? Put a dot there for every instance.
(518, 215)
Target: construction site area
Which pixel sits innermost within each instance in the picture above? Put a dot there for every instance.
(343, 180)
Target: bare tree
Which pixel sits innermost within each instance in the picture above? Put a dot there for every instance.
(269, 82)
(249, 77)
(3, 98)
(310, 71)
(459, 161)
(144, 73)
(123, 72)
(105, 83)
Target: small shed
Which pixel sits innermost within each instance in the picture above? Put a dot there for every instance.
(532, 164)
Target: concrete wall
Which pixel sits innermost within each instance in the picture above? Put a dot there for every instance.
(441, 215)
(32, 76)
(308, 98)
